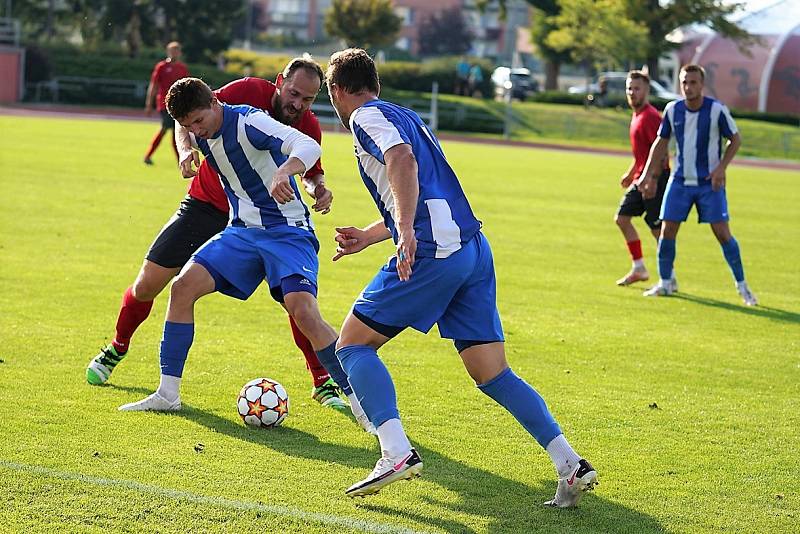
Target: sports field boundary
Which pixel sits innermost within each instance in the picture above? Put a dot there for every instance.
(79, 112)
(219, 502)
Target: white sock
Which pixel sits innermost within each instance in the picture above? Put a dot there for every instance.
(563, 456)
(394, 441)
(355, 406)
(664, 283)
(170, 387)
(741, 285)
(638, 265)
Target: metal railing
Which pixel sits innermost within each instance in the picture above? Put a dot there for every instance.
(78, 89)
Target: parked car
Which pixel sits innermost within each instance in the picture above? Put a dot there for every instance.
(615, 85)
(516, 82)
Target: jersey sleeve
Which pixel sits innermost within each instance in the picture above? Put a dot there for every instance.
(727, 127)
(310, 126)
(376, 132)
(265, 133)
(665, 131)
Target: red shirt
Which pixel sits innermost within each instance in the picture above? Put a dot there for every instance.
(165, 73)
(255, 92)
(644, 129)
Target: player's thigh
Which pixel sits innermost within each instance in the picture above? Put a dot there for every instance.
(484, 361)
(354, 331)
(188, 229)
(712, 206)
(233, 261)
(471, 315)
(678, 201)
(193, 282)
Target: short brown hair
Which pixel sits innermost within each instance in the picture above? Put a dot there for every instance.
(354, 71)
(187, 95)
(695, 68)
(639, 75)
(304, 62)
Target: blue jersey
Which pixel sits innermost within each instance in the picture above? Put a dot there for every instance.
(698, 137)
(245, 152)
(444, 220)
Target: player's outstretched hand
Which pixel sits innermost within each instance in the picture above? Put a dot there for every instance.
(349, 240)
(281, 189)
(189, 163)
(717, 179)
(648, 187)
(406, 250)
(323, 197)
(626, 181)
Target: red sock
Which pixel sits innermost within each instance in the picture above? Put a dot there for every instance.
(154, 143)
(317, 370)
(635, 248)
(132, 313)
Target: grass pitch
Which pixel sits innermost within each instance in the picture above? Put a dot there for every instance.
(687, 406)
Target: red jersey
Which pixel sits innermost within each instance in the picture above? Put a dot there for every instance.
(258, 93)
(644, 129)
(165, 73)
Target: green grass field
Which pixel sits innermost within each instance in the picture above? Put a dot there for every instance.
(687, 406)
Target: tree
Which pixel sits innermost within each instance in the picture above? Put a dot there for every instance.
(363, 23)
(597, 31)
(661, 18)
(444, 34)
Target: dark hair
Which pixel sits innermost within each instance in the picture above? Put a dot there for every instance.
(695, 68)
(639, 75)
(187, 95)
(304, 62)
(354, 71)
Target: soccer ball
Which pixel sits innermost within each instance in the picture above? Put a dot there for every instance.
(263, 402)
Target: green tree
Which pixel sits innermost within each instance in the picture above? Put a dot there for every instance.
(364, 23)
(597, 32)
(444, 34)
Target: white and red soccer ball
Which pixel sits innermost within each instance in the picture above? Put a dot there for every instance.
(263, 402)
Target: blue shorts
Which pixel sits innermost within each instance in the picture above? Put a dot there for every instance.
(712, 206)
(457, 293)
(240, 258)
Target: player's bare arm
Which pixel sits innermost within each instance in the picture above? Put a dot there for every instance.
(401, 168)
(627, 177)
(350, 240)
(315, 187)
(718, 174)
(188, 159)
(657, 154)
(152, 90)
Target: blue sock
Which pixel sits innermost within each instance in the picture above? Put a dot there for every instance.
(175, 347)
(371, 382)
(524, 403)
(666, 258)
(734, 258)
(327, 357)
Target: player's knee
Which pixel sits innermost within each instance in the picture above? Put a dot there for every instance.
(184, 290)
(302, 308)
(146, 289)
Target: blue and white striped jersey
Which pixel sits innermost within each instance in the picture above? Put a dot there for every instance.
(698, 136)
(444, 219)
(246, 151)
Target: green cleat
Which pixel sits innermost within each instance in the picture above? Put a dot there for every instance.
(101, 366)
(328, 395)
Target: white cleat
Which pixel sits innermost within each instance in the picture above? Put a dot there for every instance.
(153, 403)
(386, 471)
(747, 296)
(673, 284)
(660, 290)
(636, 275)
(572, 487)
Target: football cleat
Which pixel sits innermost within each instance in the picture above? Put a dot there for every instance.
(673, 284)
(327, 395)
(153, 403)
(659, 290)
(386, 471)
(571, 488)
(636, 275)
(147, 161)
(747, 296)
(101, 366)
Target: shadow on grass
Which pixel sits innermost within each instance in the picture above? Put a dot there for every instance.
(758, 311)
(503, 505)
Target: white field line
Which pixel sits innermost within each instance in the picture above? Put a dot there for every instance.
(232, 504)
